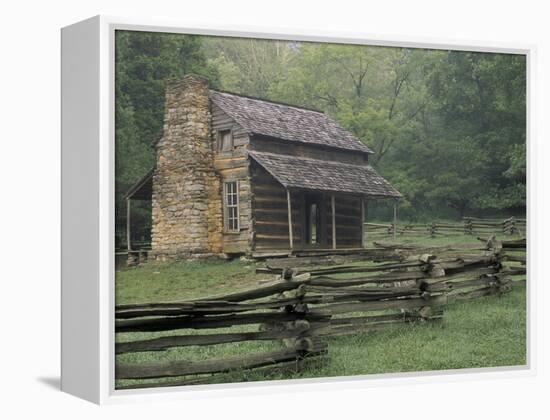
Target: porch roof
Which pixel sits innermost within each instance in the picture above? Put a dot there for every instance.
(142, 189)
(322, 175)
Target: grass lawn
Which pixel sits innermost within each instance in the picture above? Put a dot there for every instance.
(173, 281)
(487, 332)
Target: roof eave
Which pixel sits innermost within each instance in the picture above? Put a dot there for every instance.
(361, 194)
(391, 192)
(320, 145)
(139, 184)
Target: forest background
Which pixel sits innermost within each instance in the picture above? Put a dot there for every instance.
(448, 127)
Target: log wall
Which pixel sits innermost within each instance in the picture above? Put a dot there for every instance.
(270, 216)
(348, 221)
(232, 165)
(282, 147)
(270, 212)
(263, 202)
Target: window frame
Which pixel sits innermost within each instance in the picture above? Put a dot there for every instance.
(227, 206)
(220, 140)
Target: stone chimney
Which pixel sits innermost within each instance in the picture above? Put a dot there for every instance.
(186, 202)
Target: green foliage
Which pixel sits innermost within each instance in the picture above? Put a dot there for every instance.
(249, 66)
(448, 128)
(144, 62)
(480, 101)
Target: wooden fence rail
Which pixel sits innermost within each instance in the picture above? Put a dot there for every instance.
(468, 226)
(416, 289)
(311, 299)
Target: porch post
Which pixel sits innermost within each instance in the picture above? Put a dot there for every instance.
(394, 218)
(362, 222)
(289, 219)
(128, 236)
(333, 205)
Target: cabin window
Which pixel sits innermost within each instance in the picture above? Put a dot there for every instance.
(225, 141)
(231, 206)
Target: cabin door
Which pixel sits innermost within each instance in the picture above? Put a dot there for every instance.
(313, 223)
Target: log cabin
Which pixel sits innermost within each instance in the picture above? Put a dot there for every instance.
(238, 175)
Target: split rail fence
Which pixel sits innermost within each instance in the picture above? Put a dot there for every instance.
(312, 299)
(468, 226)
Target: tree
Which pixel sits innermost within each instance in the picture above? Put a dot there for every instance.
(480, 98)
(447, 127)
(144, 62)
(437, 121)
(249, 66)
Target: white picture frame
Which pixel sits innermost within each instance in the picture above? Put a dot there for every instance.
(88, 210)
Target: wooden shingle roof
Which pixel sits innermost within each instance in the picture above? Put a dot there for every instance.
(322, 175)
(286, 122)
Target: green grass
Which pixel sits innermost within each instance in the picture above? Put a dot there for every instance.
(482, 333)
(486, 332)
(173, 281)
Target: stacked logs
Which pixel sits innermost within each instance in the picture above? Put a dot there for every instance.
(416, 288)
(380, 297)
(285, 311)
(514, 257)
(508, 226)
(468, 226)
(312, 298)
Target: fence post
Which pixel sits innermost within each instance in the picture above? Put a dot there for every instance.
(286, 275)
(303, 342)
(433, 229)
(133, 259)
(468, 226)
(513, 229)
(431, 270)
(500, 282)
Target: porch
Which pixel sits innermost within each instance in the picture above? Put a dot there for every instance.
(309, 205)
